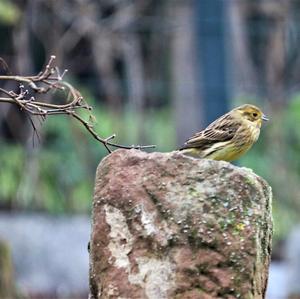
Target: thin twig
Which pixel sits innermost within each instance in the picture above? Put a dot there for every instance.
(51, 79)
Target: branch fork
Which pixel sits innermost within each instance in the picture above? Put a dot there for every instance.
(51, 79)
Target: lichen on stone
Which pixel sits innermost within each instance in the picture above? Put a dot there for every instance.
(169, 226)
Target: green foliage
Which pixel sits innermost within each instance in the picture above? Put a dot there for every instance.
(275, 157)
(58, 175)
(11, 165)
(9, 12)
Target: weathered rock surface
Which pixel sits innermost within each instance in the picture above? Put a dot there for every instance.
(170, 226)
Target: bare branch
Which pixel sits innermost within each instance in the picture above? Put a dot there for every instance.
(51, 79)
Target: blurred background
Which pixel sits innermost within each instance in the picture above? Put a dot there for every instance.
(155, 73)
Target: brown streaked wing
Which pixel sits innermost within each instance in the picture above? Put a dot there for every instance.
(222, 129)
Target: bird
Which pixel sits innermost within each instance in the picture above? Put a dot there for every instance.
(228, 137)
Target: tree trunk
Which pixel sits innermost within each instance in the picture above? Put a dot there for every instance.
(7, 286)
(188, 110)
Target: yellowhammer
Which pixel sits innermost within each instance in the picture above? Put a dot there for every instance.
(228, 137)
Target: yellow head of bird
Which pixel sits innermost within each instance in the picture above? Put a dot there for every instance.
(251, 113)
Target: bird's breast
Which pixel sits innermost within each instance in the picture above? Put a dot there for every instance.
(246, 136)
(254, 133)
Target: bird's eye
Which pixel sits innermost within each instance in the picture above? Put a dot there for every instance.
(254, 114)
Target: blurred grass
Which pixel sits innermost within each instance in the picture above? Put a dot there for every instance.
(64, 164)
(60, 178)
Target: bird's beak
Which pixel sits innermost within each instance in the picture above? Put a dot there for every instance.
(264, 118)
